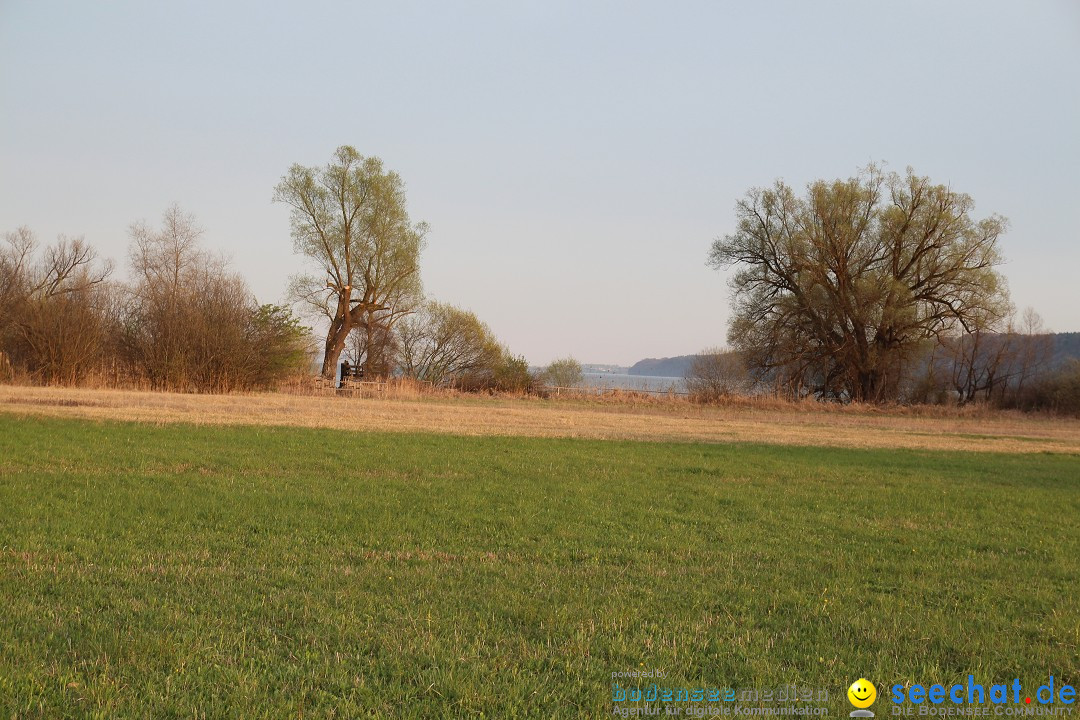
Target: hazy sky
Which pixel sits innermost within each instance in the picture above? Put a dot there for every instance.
(574, 160)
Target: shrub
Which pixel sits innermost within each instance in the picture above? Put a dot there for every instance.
(565, 372)
(512, 374)
(714, 374)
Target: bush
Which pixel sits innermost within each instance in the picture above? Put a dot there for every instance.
(565, 372)
(1060, 391)
(280, 345)
(55, 309)
(446, 346)
(186, 323)
(191, 325)
(714, 374)
(512, 374)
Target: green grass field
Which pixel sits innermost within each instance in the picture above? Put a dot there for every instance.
(179, 571)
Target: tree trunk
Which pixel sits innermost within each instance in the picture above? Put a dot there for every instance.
(336, 336)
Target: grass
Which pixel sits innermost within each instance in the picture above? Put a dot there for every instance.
(270, 572)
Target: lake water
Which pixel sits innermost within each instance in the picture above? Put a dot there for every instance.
(634, 382)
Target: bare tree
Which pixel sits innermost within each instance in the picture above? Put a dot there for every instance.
(1036, 349)
(194, 326)
(53, 307)
(171, 269)
(373, 347)
(993, 361)
(16, 254)
(997, 364)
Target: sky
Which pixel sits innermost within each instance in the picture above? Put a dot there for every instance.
(575, 160)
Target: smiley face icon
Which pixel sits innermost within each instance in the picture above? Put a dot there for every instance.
(862, 693)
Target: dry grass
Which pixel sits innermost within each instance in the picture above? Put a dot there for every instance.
(800, 424)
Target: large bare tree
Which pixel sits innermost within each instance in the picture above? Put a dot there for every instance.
(836, 290)
(350, 219)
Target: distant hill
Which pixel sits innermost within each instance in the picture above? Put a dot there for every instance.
(662, 367)
(1066, 346)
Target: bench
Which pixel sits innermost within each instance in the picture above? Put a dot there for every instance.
(350, 373)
